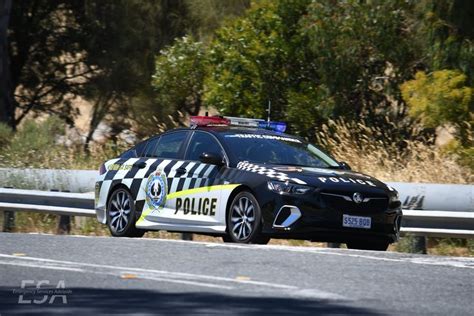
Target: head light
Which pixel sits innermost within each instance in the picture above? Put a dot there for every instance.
(287, 188)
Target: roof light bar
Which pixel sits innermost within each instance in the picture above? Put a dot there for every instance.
(257, 123)
(237, 121)
(274, 126)
(245, 122)
(208, 120)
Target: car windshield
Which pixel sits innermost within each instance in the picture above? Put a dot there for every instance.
(277, 149)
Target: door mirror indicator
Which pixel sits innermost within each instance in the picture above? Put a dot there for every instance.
(211, 158)
(344, 165)
(140, 164)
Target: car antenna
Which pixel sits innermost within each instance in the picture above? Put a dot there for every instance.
(269, 109)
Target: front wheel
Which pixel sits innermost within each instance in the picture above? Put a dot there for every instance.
(244, 221)
(121, 215)
(368, 245)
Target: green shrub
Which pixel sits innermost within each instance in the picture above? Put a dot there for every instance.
(5, 135)
(34, 144)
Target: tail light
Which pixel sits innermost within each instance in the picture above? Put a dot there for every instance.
(208, 120)
(102, 169)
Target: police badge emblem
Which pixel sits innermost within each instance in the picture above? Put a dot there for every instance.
(156, 189)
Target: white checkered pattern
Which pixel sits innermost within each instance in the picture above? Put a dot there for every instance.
(269, 172)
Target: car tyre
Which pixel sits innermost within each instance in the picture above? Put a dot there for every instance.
(122, 215)
(244, 221)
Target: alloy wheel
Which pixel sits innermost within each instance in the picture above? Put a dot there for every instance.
(120, 210)
(243, 218)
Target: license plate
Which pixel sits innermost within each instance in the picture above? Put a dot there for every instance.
(356, 221)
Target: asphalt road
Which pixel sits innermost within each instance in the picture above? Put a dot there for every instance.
(100, 275)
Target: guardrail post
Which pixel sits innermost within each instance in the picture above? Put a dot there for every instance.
(186, 236)
(418, 244)
(8, 221)
(64, 221)
(64, 225)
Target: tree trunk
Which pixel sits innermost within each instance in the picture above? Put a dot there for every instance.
(100, 110)
(87, 143)
(7, 109)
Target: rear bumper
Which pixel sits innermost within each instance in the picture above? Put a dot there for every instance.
(100, 214)
(100, 202)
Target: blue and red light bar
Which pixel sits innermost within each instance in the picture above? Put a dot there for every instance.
(274, 126)
(209, 121)
(237, 121)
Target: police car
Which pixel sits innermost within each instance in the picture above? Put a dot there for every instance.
(247, 181)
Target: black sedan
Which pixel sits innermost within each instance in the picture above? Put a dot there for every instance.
(247, 183)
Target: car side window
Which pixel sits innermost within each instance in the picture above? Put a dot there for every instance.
(150, 147)
(170, 145)
(129, 154)
(202, 142)
(135, 151)
(139, 148)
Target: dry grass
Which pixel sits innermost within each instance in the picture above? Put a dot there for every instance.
(62, 157)
(367, 150)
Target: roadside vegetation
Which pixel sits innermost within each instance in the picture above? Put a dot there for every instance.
(387, 86)
(350, 142)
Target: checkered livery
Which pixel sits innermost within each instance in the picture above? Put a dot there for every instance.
(196, 175)
(181, 175)
(269, 172)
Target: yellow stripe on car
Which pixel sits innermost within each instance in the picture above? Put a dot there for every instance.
(189, 192)
(200, 190)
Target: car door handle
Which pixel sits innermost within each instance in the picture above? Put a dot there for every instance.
(181, 170)
(140, 164)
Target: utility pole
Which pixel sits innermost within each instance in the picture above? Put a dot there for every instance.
(269, 110)
(6, 94)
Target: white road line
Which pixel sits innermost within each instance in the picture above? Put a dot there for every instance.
(162, 275)
(322, 295)
(455, 262)
(18, 264)
(140, 276)
(163, 272)
(186, 282)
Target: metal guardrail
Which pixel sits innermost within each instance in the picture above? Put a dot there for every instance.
(418, 222)
(432, 196)
(48, 179)
(59, 203)
(438, 223)
(438, 210)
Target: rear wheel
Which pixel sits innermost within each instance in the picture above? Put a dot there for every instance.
(121, 215)
(368, 245)
(244, 220)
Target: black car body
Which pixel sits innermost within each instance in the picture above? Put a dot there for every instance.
(269, 184)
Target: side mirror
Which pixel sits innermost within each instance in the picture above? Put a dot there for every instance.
(212, 158)
(344, 165)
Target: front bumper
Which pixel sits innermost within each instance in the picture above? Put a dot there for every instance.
(321, 221)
